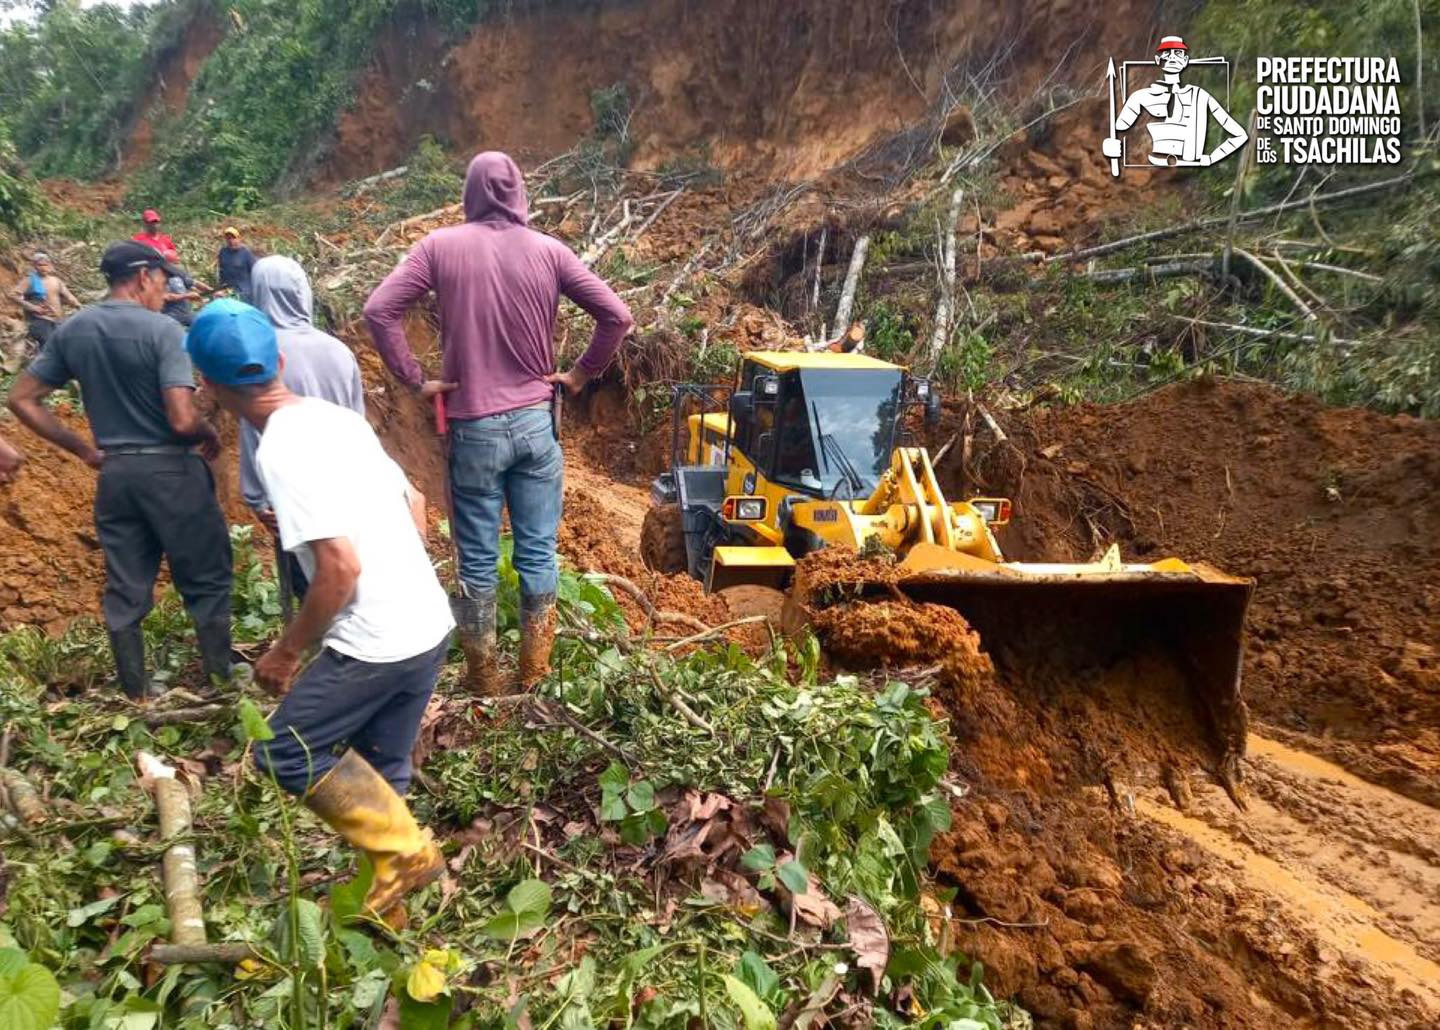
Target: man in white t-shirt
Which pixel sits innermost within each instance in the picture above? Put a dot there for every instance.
(350, 517)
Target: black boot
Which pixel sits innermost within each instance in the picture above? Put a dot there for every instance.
(128, 647)
(214, 641)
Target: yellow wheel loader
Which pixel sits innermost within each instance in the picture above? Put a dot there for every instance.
(809, 451)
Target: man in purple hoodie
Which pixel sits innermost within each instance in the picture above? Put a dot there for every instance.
(498, 284)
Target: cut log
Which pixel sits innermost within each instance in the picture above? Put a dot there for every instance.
(182, 879)
(229, 954)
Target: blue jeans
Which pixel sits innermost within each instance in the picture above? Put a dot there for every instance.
(373, 707)
(512, 459)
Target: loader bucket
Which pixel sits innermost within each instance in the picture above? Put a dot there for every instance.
(1188, 618)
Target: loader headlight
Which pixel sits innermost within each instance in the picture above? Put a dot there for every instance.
(767, 386)
(922, 390)
(994, 510)
(745, 509)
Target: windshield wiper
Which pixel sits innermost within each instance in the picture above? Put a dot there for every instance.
(831, 447)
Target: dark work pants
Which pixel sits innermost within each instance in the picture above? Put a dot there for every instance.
(374, 707)
(153, 505)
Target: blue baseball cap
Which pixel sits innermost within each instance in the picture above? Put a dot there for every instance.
(233, 344)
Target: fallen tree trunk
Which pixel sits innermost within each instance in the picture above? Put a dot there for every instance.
(182, 879)
(1150, 273)
(852, 281)
(945, 309)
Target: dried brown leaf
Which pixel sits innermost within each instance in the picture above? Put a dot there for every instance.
(868, 939)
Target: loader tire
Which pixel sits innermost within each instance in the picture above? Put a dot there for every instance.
(662, 540)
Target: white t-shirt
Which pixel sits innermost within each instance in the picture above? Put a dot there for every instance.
(327, 477)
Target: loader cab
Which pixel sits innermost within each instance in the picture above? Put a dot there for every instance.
(818, 429)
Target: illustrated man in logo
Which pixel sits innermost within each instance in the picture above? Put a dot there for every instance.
(1180, 115)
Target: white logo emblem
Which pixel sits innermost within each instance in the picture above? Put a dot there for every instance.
(1179, 114)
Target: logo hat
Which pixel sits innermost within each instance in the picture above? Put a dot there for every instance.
(151, 216)
(1171, 43)
(233, 344)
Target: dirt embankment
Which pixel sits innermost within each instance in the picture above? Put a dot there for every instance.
(776, 90)
(176, 68)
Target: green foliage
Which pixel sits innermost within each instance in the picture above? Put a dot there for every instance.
(966, 360)
(612, 110)
(433, 180)
(889, 332)
(70, 81)
(21, 204)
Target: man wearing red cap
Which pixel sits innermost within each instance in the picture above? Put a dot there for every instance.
(1180, 115)
(151, 235)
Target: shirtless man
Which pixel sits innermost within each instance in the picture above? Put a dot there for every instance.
(42, 295)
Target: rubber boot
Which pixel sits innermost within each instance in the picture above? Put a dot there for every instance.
(214, 641)
(128, 647)
(537, 637)
(475, 627)
(357, 803)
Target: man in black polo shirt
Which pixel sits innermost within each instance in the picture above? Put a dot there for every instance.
(155, 496)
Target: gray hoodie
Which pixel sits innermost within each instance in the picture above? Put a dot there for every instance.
(316, 364)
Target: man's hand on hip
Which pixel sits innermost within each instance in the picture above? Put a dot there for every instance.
(276, 668)
(574, 380)
(430, 387)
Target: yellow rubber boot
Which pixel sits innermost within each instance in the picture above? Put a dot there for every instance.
(357, 803)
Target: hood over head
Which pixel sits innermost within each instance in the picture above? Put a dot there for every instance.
(494, 188)
(281, 289)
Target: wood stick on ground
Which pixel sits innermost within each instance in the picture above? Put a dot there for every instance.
(229, 954)
(659, 210)
(1280, 284)
(24, 798)
(685, 272)
(181, 715)
(1151, 273)
(1246, 216)
(1355, 273)
(945, 308)
(182, 879)
(602, 245)
(401, 226)
(621, 583)
(1000, 436)
(1293, 278)
(819, 264)
(716, 631)
(852, 281)
(1250, 330)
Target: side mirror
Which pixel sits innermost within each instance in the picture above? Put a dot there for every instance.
(742, 404)
(932, 407)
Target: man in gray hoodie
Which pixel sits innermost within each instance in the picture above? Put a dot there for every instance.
(316, 365)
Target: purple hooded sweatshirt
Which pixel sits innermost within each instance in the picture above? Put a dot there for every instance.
(498, 284)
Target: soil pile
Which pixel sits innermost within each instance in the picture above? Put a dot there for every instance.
(1335, 513)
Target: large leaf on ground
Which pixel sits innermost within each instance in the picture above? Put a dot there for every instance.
(756, 1013)
(29, 995)
(868, 939)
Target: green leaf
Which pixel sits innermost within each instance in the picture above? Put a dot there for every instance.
(529, 896)
(758, 858)
(612, 807)
(12, 960)
(757, 975)
(509, 926)
(756, 1013)
(347, 900)
(614, 778)
(82, 915)
(641, 796)
(252, 723)
(29, 995)
(794, 876)
(301, 938)
(433, 1015)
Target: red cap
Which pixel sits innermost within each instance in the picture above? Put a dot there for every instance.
(1171, 43)
(150, 215)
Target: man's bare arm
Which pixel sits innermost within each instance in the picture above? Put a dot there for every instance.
(337, 570)
(27, 401)
(187, 423)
